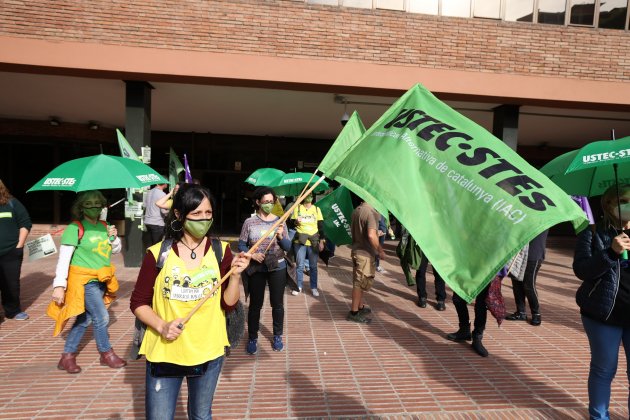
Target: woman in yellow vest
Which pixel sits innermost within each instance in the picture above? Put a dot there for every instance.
(163, 297)
(308, 242)
(85, 282)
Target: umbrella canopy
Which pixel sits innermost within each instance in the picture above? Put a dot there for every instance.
(98, 172)
(293, 183)
(264, 177)
(589, 171)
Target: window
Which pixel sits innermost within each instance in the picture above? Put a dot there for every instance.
(552, 11)
(519, 10)
(427, 7)
(613, 14)
(458, 8)
(582, 12)
(487, 9)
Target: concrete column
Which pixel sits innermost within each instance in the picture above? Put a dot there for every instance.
(138, 133)
(505, 124)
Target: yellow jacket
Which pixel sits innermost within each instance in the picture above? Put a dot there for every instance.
(74, 302)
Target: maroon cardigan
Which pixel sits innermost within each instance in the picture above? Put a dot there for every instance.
(143, 291)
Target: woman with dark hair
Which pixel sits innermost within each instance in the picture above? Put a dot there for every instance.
(85, 283)
(164, 296)
(268, 267)
(604, 295)
(15, 224)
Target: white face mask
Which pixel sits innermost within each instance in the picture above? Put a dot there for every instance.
(625, 212)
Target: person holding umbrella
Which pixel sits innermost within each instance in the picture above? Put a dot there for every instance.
(163, 299)
(604, 295)
(85, 282)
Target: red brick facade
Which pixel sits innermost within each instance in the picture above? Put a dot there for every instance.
(293, 29)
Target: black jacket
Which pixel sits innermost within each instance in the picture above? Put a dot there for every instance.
(598, 266)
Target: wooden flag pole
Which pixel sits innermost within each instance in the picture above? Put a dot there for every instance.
(253, 248)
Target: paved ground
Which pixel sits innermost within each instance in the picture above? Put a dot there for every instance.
(400, 366)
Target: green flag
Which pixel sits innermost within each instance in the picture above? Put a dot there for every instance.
(174, 168)
(336, 210)
(469, 200)
(351, 133)
(125, 148)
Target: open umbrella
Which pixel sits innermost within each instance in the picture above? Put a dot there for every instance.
(591, 170)
(264, 177)
(98, 172)
(293, 183)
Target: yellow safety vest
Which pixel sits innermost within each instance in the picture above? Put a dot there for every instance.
(176, 291)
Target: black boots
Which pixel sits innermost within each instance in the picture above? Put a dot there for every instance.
(477, 345)
(463, 334)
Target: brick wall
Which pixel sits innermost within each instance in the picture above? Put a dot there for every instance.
(292, 28)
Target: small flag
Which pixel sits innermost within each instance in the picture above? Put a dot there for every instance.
(175, 167)
(187, 174)
(126, 150)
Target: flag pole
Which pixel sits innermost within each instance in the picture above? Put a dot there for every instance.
(253, 248)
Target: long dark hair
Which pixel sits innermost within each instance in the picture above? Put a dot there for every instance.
(187, 199)
(609, 205)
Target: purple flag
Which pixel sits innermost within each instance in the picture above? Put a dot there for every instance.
(188, 176)
(584, 205)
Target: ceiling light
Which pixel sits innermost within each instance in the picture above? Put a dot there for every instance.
(54, 121)
(93, 125)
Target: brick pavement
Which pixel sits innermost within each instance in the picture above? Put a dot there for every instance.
(399, 367)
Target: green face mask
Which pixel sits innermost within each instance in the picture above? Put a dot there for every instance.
(267, 207)
(198, 228)
(308, 199)
(92, 212)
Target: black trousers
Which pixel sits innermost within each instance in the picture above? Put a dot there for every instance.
(527, 288)
(481, 311)
(421, 282)
(155, 234)
(277, 281)
(10, 270)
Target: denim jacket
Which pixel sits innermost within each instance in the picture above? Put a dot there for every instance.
(597, 265)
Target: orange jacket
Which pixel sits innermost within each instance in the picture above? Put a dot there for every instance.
(74, 302)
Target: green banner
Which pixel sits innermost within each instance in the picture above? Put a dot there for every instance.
(336, 210)
(175, 167)
(349, 135)
(126, 150)
(469, 200)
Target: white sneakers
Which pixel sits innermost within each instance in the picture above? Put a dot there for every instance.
(296, 292)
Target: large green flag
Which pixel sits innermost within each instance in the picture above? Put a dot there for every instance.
(125, 148)
(469, 200)
(175, 167)
(336, 210)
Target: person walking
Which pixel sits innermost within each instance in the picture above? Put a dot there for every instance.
(268, 267)
(421, 286)
(365, 247)
(604, 295)
(163, 297)
(15, 225)
(527, 287)
(308, 242)
(85, 283)
(154, 215)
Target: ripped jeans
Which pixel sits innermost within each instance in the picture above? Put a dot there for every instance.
(161, 394)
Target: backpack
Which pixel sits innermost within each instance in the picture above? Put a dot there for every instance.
(235, 319)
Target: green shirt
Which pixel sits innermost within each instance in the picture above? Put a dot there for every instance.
(94, 250)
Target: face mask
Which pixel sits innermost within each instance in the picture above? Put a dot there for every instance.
(308, 199)
(267, 207)
(198, 228)
(625, 212)
(92, 212)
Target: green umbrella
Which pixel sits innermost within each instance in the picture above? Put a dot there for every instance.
(264, 177)
(98, 172)
(590, 171)
(293, 183)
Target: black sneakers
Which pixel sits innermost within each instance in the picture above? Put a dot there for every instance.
(517, 316)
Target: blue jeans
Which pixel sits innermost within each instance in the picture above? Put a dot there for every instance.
(95, 314)
(604, 341)
(302, 252)
(161, 393)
